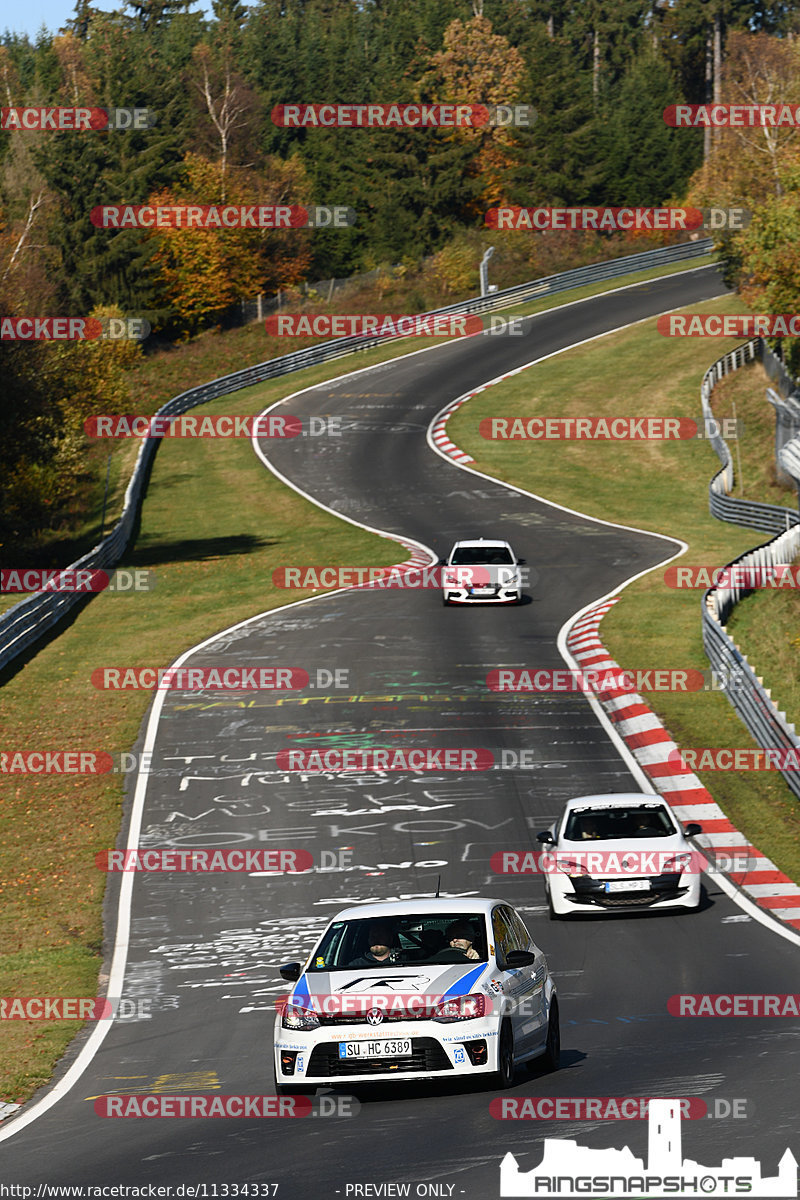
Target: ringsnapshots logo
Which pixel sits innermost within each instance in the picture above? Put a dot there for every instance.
(76, 579)
(617, 220)
(61, 120)
(218, 217)
(403, 116)
(568, 1169)
(73, 329)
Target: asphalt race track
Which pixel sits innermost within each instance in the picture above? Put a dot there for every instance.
(205, 948)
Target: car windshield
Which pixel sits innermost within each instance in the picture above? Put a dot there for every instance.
(481, 556)
(410, 937)
(602, 824)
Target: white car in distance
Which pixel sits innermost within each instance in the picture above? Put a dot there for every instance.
(480, 571)
(623, 852)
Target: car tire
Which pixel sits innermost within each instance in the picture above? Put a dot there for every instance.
(504, 1076)
(552, 1055)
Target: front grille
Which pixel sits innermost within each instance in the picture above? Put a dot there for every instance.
(631, 900)
(414, 1014)
(427, 1055)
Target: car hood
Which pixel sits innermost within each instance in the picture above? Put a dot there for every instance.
(450, 979)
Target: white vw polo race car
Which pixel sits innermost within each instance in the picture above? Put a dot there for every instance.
(417, 990)
(619, 852)
(481, 571)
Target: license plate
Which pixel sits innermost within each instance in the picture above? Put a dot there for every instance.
(627, 885)
(399, 1048)
(481, 591)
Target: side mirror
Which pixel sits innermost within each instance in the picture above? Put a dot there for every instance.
(291, 971)
(442, 562)
(546, 837)
(521, 562)
(692, 829)
(519, 958)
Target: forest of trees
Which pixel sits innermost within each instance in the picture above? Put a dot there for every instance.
(598, 72)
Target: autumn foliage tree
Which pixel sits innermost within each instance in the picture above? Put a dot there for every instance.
(199, 272)
(478, 66)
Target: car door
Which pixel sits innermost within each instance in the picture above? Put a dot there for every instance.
(519, 983)
(537, 1008)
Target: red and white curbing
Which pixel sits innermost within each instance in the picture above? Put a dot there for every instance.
(651, 746)
(439, 430)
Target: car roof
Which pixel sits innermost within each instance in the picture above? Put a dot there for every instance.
(615, 800)
(482, 542)
(398, 908)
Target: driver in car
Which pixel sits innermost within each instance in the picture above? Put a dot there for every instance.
(460, 936)
(380, 937)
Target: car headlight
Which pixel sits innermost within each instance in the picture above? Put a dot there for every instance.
(678, 862)
(461, 1008)
(294, 1016)
(567, 867)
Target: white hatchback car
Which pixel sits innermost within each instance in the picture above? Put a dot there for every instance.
(620, 852)
(481, 571)
(417, 989)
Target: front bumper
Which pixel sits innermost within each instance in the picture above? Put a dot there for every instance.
(587, 894)
(457, 595)
(457, 1048)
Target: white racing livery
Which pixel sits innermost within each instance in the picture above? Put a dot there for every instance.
(480, 571)
(417, 989)
(624, 852)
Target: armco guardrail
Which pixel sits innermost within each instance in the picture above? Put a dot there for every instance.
(768, 517)
(745, 690)
(23, 624)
